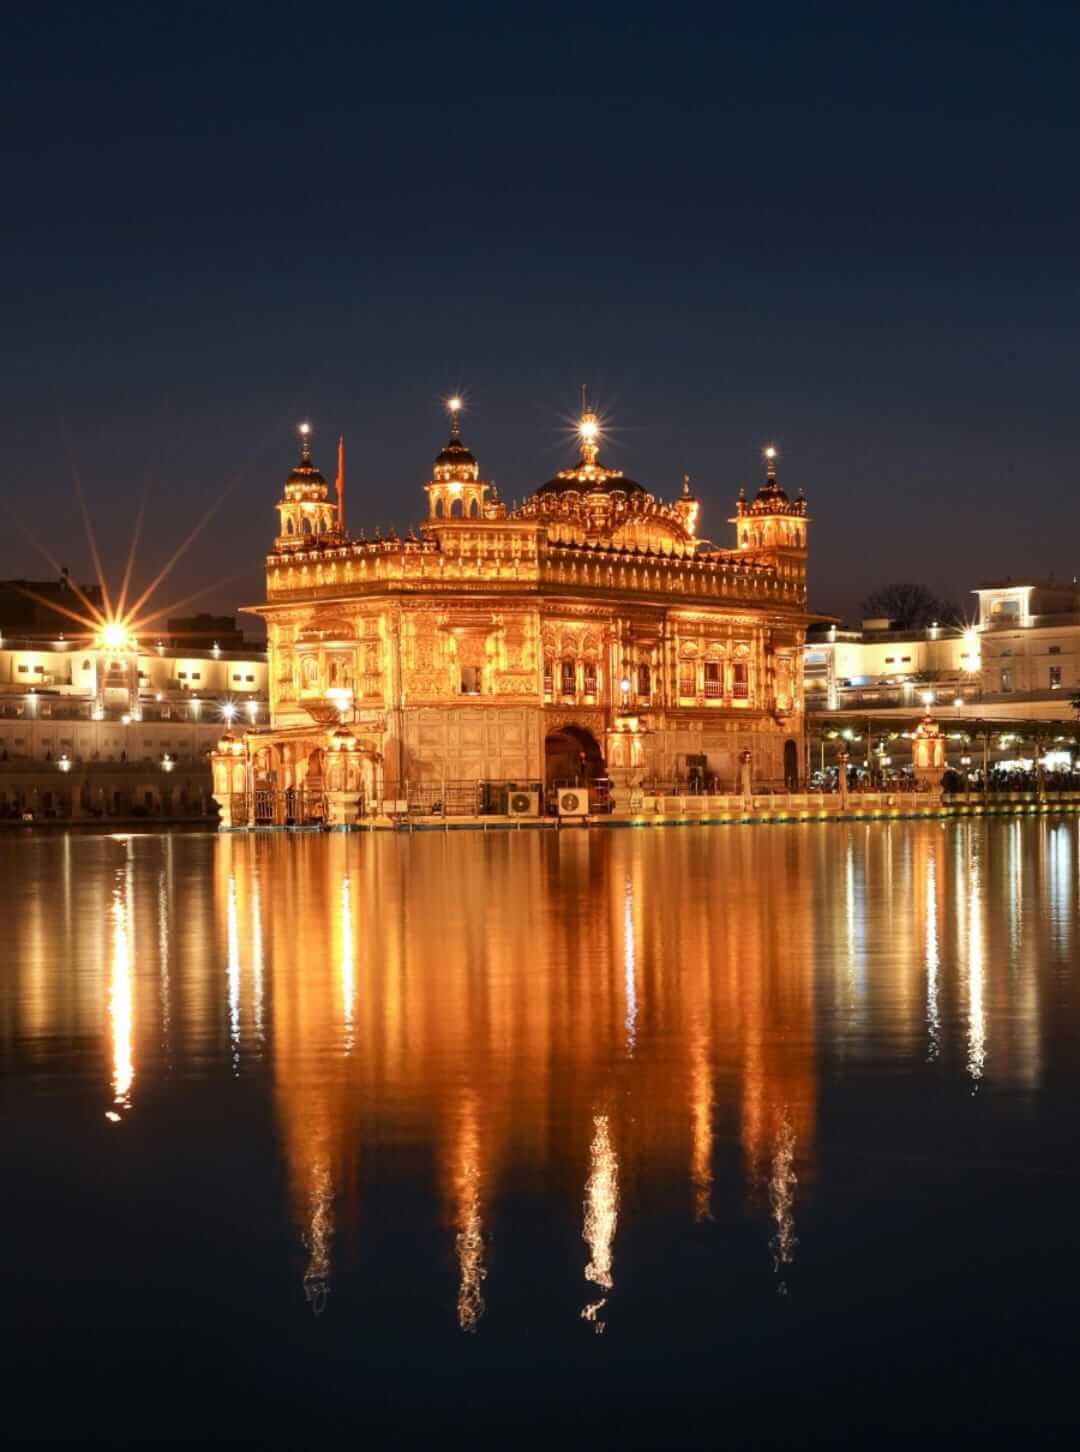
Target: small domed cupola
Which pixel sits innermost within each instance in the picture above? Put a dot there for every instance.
(772, 520)
(456, 488)
(306, 516)
(770, 492)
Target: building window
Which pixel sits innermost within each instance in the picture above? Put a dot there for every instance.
(644, 682)
(569, 686)
(1055, 650)
(470, 680)
(549, 676)
(890, 660)
(712, 678)
(1055, 678)
(590, 678)
(740, 680)
(1006, 680)
(687, 679)
(23, 670)
(905, 660)
(181, 675)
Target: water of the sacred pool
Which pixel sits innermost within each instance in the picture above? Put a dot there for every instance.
(660, 1137)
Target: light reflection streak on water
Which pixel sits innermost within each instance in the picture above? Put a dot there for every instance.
(233, 972)
(701, 1126)
(163, 952)
(257, 960)
(854, 909)
(1060, 884)
(976, 1057)
(933, 959)
(122, 994)
(469, 1241)
(1014, 892)
(347, 985)
(319, 1231)
(601, 1217)
(782, 1183)
(630, 967)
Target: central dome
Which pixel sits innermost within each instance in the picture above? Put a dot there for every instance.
(591, 479)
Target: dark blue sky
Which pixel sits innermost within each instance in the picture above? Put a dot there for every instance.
(851, 230)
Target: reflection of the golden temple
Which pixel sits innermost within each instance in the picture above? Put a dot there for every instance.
(601, 1218)
(782, 1182)
(467, 1211)
(489, 1006)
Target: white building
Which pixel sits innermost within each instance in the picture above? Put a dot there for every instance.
(1020, 658)
(121, 729)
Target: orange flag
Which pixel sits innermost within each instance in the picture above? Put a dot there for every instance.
(339, 483)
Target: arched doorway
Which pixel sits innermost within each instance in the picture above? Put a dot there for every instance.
(572, 757)
(791, 766)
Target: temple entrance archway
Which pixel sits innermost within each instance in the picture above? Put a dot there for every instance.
(572, 755)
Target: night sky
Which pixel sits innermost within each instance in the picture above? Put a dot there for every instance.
(852, 231)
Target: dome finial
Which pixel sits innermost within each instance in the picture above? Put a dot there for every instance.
(770, 463)
(588, 430)
(305, 443)
(453, 408)
(686, 486)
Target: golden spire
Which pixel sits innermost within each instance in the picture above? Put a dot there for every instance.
(770, 464)
(453, 408)
(305, 443)
(588, 431)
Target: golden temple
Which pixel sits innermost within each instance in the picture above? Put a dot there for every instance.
(588, 638)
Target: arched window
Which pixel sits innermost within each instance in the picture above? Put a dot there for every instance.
(590, 678)
(306, 526)
(290, 528)
(549, 676)
(569, 682)
(644, 681)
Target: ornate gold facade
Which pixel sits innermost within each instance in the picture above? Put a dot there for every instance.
(588, 633)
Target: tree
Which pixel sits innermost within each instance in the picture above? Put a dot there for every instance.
(909, 607)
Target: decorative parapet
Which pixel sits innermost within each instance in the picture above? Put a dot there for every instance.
(463, 555)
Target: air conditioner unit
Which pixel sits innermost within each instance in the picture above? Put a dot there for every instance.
(523, 804)
(573, 801)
